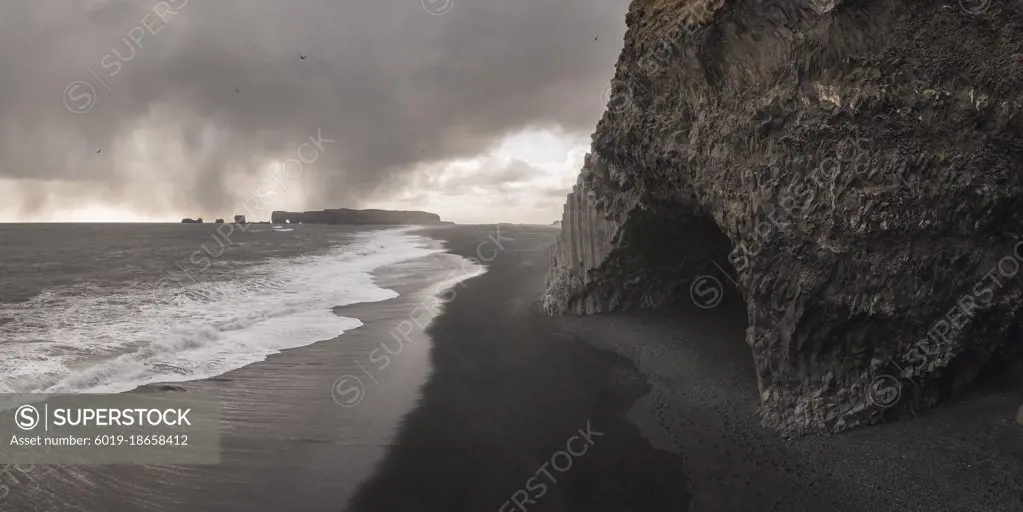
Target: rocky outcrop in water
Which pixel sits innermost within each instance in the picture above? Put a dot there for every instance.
(856, 168)
(191, 221)
(361, 217)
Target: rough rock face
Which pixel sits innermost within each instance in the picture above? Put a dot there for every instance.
(855, 167)
(346, 216)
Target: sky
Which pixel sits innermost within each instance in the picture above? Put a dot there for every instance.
(136, 110)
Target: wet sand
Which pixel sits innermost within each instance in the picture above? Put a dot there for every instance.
(638, 411)
(508, 394)
(675, 393)
(287, 444)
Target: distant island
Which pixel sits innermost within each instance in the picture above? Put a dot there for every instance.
(348, 216)
(341, 216)
(238, 219)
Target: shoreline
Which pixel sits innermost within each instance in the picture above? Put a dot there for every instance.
(677, 392)
(281, 424)
(515, 410)
(511, 402)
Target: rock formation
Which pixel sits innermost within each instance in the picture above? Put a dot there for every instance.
(219, 221)
(857, 169)
(190, 221)
(346, 216)
(239, 219)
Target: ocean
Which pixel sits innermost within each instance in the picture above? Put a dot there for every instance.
(105, 308)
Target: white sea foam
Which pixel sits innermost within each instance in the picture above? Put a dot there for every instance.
(84, 340)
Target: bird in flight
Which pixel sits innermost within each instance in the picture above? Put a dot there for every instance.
(302, 56)
(596, 37)
(98, 151)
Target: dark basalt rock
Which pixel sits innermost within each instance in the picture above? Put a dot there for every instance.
(856, 167)
(190, 221)
(219, 221)
(346, 216)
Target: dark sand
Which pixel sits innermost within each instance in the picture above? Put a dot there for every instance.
(672, 392)
(507, 393)
(286, 444)
(675, 394)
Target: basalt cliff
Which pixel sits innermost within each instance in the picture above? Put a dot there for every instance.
(855, 167)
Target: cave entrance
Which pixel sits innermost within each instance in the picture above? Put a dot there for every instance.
(685, 260)
(675, 251)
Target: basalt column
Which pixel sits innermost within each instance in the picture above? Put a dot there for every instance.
(858, 165)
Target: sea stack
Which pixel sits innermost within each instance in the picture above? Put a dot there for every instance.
(848, 164)
(239, 219)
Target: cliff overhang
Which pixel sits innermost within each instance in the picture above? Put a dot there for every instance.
(855, 167)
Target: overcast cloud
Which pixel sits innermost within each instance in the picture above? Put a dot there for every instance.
(180, 106)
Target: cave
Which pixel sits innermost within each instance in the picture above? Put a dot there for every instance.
(857, 176)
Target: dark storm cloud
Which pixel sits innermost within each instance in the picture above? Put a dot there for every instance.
(492, 176)
(216, 87)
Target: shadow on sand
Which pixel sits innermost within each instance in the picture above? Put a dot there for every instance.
(510, 397)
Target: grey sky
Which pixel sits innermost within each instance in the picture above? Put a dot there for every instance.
(187, 116)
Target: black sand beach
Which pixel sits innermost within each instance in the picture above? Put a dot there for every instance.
(507, 393)
(643, 411)
(286, 443)
(675, 395)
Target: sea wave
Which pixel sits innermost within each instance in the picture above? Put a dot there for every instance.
(89, 339)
